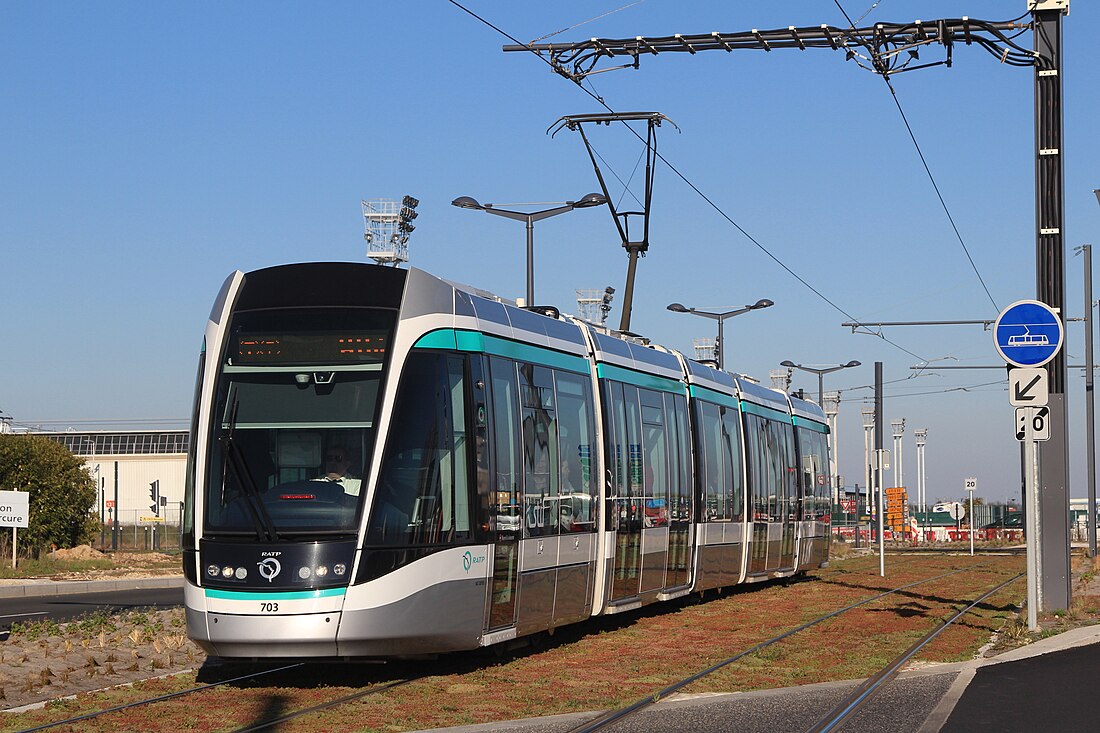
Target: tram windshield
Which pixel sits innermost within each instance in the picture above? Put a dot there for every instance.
(292, 433)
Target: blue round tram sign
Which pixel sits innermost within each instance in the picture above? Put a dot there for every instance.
(1028, 333)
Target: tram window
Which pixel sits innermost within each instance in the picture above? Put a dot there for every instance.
(505, 499)
(710, 463)
(759, 460)
(679, 452)
(616, 440)
(656, 459)
(790, 470)
(815, 479)
(635, 467)
(575, 452)
(731, 443)
(540, 448)
(423, 490)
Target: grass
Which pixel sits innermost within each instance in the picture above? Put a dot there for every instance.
(45, 566)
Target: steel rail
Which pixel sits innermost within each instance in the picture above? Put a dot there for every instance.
(871, 686)
(161, 698)
(326, 705)
(615, 715)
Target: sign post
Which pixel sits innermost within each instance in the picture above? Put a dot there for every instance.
(1028, 334)
(971, 485)
(14, 513)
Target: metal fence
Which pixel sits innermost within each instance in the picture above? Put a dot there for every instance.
(143, 531)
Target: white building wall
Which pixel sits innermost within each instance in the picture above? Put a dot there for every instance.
(135, 473)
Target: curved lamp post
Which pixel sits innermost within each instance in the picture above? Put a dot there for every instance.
(820, 372)
(720, 317)
(592, 199)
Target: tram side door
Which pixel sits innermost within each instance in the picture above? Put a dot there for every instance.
(625, 496)
(505, 496)
(790, 509)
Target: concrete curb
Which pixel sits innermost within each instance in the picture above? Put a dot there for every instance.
(35, 589)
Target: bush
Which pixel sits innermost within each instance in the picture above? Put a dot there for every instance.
(62, 492)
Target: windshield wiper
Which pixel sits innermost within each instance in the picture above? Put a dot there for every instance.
(261, 520)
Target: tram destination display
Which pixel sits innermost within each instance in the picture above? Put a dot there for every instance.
(310, 348)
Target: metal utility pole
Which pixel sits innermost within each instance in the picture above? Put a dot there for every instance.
(1051, 289)
(1090, 439)
(868, 414)
(879, 469)
(922, 437)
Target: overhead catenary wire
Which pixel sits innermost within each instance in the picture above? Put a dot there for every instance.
(924, 161)
(718, 209)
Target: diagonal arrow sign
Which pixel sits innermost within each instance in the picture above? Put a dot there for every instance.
(1023, 391)
(1028, 387)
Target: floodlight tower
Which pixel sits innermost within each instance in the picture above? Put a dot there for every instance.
(388, 226)
(781, 379)
(595, 304)
(705, 349)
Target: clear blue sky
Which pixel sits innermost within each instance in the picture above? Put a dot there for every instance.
(150, 149)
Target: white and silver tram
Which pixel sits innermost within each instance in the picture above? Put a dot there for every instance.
(512, 471)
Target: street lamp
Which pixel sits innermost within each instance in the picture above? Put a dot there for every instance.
(922, 437)
(720, 317)
(820, 372)
(592, 199)
(868, 413)
(897, 426)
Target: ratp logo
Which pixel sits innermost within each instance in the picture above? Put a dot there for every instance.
(269, 568)
(469, 560)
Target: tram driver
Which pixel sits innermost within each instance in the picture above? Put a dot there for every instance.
(337, 466)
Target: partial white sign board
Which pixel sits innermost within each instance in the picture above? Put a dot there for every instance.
(14, 509)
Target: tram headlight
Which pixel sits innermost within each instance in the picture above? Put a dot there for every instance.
(227, 572)
(213, 570)
(242, 573)
(322, 571)
(304, 572)
(339, 568)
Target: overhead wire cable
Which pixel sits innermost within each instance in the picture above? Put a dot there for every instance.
(882, 70)
(583, 22)
(939, 195)
(693, 187)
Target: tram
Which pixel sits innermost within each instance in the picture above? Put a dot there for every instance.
(384, 463)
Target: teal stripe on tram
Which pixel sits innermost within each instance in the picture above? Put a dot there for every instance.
(236, 595)
(483, 343)
(444, 338)
(805, 422)
(639, 379)
(710, 395)
(767, 412)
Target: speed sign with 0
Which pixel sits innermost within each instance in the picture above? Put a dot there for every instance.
(1032, 423)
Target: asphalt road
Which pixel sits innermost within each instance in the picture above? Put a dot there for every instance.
(66, 607)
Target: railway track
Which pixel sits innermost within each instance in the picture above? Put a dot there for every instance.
(851, 705)
(404, 677)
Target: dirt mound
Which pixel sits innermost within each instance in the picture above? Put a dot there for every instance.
(80, 552)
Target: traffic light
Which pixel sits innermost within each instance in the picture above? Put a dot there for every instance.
(154, 494)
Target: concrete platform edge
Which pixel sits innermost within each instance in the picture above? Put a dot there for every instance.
(71, 587)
